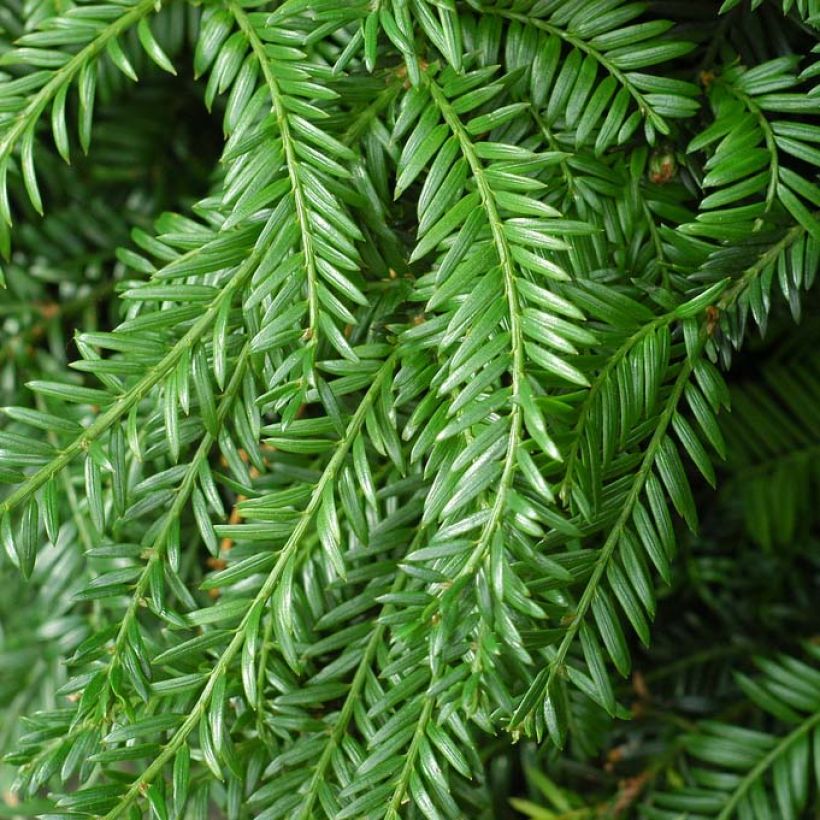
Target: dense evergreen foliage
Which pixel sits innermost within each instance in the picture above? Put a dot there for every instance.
(366, 372)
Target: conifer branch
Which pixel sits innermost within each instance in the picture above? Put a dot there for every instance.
(514, 317)
(135, 394)
(292, 162)
(766, 763)
(158, 550)
(66, 74)
(289, 551)
(544, 683)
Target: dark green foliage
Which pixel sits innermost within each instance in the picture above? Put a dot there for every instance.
(387, 409)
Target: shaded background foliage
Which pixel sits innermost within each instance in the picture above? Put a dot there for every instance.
(423, 293)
